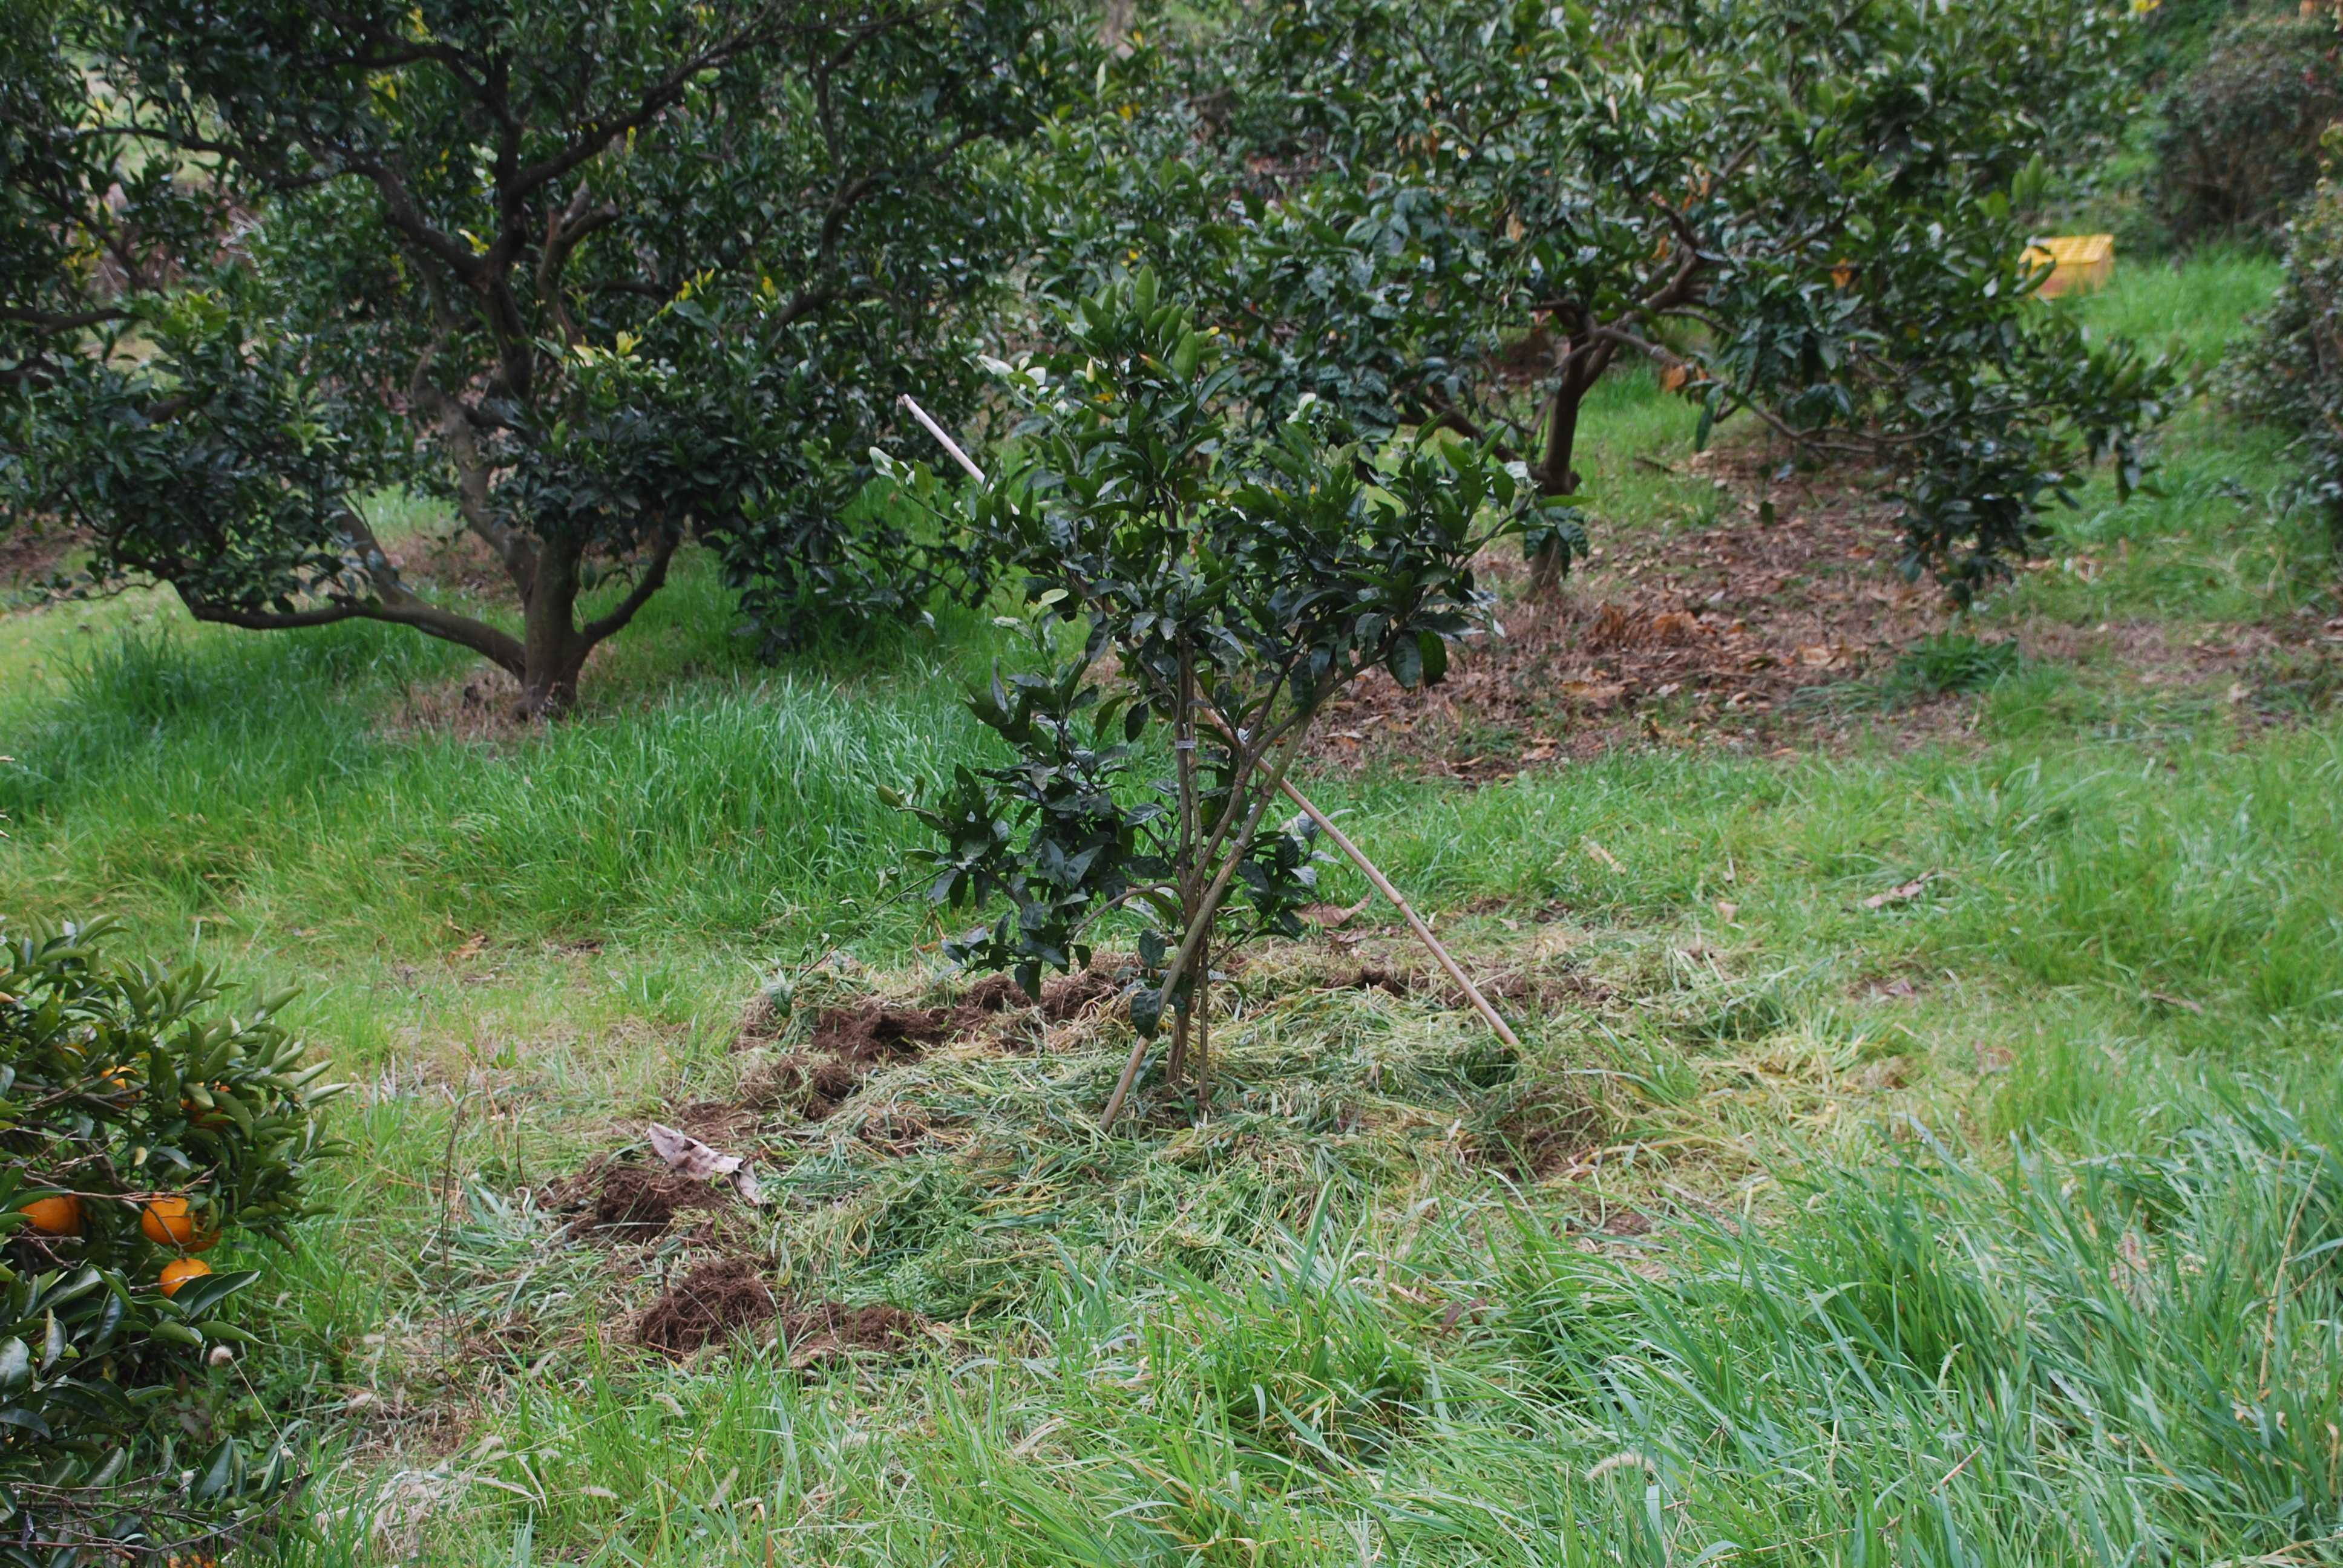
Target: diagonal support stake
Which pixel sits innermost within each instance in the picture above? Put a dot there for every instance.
(1356, 856)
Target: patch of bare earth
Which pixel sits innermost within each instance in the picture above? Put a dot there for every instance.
(1718, 635)
(713, 1302)
(722, 1296)
(849, 1043)
(1701, 634)
(35, 555)
(483, 703)
(615, 1202)
(829, 1331)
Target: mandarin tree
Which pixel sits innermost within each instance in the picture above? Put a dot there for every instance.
(1466, 213)
(1225, 576)
(608, 277)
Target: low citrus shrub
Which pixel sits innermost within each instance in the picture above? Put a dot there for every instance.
(2240, 144)
(2290, 372)
(140, 1124)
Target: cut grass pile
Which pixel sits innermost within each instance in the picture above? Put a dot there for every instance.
(1923, 1358)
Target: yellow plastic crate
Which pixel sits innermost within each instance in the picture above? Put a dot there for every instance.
(2077, 262)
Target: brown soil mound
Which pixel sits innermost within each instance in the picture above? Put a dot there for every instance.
(1370, 977)
(1069, 996)
(814, 1085)
(871, 1032)
(993, 1004)
(828, 1332)
(849, 1043)
(995, 994)
(710, 1302)
(617, 1201)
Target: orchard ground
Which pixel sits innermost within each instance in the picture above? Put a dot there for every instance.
(1927, 1145)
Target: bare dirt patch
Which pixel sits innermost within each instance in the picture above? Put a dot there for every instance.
(1683, 634)
(726, 1296)
(33, 555)
(483, 703)
(713, 1302)
(1731, 633)
(849, 1043)
(830, 1332)
(872, 1032)
(617, 1201)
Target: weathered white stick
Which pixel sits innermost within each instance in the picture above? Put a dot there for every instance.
(1383, 885)
(938, 432)
(1423, 932)
(1341, 841)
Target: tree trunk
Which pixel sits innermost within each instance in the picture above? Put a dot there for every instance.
(1554, 474)
(1201, 1044)
(1115, 29)
(554, 651)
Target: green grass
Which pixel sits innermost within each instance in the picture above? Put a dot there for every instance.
(1993, 1222)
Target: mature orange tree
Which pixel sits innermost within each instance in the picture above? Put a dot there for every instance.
(608, 277)
(1467, 212)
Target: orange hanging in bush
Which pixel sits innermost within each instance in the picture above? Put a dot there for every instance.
(58, 1215)
(179, 1270)
(168, 1222)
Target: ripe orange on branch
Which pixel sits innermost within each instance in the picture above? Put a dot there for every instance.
(168, 1222)
(179, 1270)
(58, 1215)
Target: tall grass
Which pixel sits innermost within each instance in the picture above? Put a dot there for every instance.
(2111, 1360)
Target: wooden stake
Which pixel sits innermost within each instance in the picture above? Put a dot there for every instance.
(938, 432)
(1422, 932)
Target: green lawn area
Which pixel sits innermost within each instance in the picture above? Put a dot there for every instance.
(1998, 1223)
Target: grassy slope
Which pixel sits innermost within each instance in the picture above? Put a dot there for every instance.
(1265, 1345)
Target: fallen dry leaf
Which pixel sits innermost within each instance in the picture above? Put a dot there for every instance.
(1593, 694)
(1901, 893)
(1332, 916)
(688, 1156)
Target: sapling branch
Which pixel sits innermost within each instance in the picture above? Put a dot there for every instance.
(1199, 925)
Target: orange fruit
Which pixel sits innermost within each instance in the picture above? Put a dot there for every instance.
(59, 1215)
(167, 1222)
(179, 1270)
(202, 1118)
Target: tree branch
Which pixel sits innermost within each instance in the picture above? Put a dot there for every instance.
(401, 609)
(563, 231)
(654, 578)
